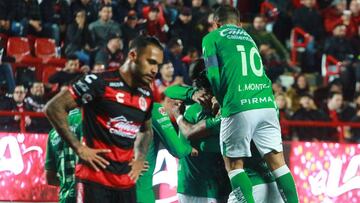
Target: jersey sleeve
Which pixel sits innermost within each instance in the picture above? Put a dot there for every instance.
(87, 88)
(211, 62)
(168, 136)
(180, 92)
(50, 161)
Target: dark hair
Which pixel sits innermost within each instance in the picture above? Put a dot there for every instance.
(141, 42)
(226, 13)
(197, 73)
(173, 42)
(72, 57)
(104, 6)
(333, 93)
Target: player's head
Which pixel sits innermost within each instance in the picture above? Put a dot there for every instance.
(144, 57)
(197, 74)
(226, 15)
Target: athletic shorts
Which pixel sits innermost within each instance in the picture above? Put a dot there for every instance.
(260, 125)
(193, 199)
(94, 193)
(263, 193)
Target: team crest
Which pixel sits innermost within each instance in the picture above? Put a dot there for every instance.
(162, 111)
(142, 103)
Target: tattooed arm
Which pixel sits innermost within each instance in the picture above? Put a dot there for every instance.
(56, 111)
(141, 147)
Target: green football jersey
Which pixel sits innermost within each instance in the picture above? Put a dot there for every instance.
(61, 158)
(255, 166)
(165, 133)
(203, 175)
(235, 71)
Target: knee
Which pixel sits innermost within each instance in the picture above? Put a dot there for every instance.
(233, 163)
(274, 160)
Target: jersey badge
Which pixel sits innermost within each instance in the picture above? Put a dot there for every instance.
(142, 104)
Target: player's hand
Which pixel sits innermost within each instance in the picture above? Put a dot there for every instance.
(178, 108)
(202, 97)
(92, 157)
(137, 167)
(194, 152)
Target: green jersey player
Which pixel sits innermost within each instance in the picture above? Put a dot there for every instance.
(236, 74)
(61, 160)
(264, 186)
(165, 133)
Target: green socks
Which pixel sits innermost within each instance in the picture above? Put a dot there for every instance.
(286, 184)
(241, 186)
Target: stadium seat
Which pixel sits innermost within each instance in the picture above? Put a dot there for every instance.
(18, 47)
(330, 68)
(45, 48)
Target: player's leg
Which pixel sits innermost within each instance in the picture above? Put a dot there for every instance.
(235, 144)
(268, 141)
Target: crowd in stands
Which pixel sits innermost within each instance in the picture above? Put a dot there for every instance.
(94, 36)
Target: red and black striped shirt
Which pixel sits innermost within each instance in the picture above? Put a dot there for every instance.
(113, 113)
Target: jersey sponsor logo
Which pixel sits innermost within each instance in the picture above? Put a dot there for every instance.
(163, 119)
(256, 100)
(82, 86)
(235, 33)
(122, 127)
(116, 84)
(143, 104)
(253, 87)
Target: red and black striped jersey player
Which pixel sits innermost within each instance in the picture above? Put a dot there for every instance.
(117, 127)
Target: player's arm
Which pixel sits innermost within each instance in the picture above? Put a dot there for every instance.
(199, 130)
(211, 62)
(141, 146)
(57, 110)
(187, 94)
(177, 146)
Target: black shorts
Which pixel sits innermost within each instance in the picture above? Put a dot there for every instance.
(95, 193)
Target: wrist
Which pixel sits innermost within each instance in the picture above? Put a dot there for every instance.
(179, 118)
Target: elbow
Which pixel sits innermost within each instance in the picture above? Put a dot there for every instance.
(48, 108)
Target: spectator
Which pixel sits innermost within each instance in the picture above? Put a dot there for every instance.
(308, 112)
(191, 56)
(5, 23)
(114, 5)
(308, 11)
(56, 14)
(355, 41)
(68, 73)
(25, 17)
(173, 53)
(337, 14)
(166, 79)
(111, 56)
(350, 74)
(129, 5)
(354, 8)
(273, 65)
(77, 37)
(36, 102)
(313, 27)
(355, 131)
(336, 110)
(261, 36)
(154, 27)
(6, 73)
(130, 29)
(12, 123)
(300, 87)
(183, 28)
(101, 29)
(321, 93)
(284, 113)
(87, 5)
